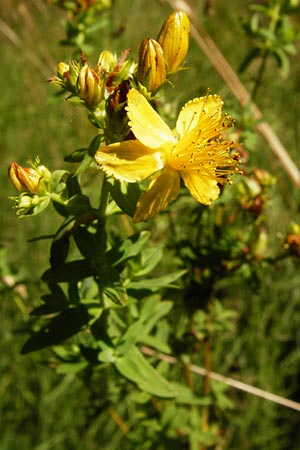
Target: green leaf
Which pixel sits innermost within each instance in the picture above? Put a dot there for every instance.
(156, 343)
(154, 284)
(62, 327)
(85, 164)
(127, 249)
(187, 396)
(150, 258)
(153, 310)
(76, 156)
(68, 272)
(125, 195)
(137, 369)
(131, 337)
(112, 285)
(73, 185)
(95, 144)
(282, 61)
(75, 367)
(90, 245)
(59, 251)
(78, 205)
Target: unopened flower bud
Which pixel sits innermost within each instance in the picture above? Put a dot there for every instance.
(90, 89)
(152, 65)
(106, 62)
(30, 179)
(259, 244)
(62, 69)
(174, 39)
(294, 228)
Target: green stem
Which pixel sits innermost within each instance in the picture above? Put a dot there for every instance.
(103, 194)
(260, 73)
(275, 17)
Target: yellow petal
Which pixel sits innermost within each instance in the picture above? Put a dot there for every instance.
(195, 112)
(128, 161)
(162, 190)
(203, 189)
(147, 126)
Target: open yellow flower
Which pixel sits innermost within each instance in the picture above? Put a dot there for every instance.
(196, 152)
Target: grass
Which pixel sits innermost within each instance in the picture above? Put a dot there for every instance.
(41, 410)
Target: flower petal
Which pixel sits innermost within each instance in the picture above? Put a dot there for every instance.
(128, 161)
(196, 111)
(203, 189)
(147, 126)
(163, 189)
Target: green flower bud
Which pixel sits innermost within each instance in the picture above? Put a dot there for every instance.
(259, 245)
(90, 90)
(174, 39)
(34, 180)
(152, 65)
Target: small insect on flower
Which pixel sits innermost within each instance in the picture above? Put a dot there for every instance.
(197, 152)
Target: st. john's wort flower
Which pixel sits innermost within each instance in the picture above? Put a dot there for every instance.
(197, 152)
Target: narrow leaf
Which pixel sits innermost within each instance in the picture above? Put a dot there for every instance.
(137, 369)
(154, 284)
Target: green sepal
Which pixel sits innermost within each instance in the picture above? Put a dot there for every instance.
(32, 210)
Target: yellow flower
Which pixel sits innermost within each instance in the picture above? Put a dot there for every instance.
(197, 152)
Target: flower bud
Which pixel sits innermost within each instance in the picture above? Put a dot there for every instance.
(30, 179)
(294, 228)
(152, 65)
(174, 39)
(106, 62)
(61, 69)
(90, 89)
(259, 244)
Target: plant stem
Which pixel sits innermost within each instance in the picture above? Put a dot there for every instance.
(260, 73)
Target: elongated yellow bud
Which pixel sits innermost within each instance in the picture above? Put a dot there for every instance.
(90, 89)
(152, 65)
(174, 39)
(30, 179)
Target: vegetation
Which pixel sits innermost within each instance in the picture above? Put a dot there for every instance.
(102, 339)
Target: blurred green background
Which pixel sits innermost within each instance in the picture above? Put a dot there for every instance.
(40, 410)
